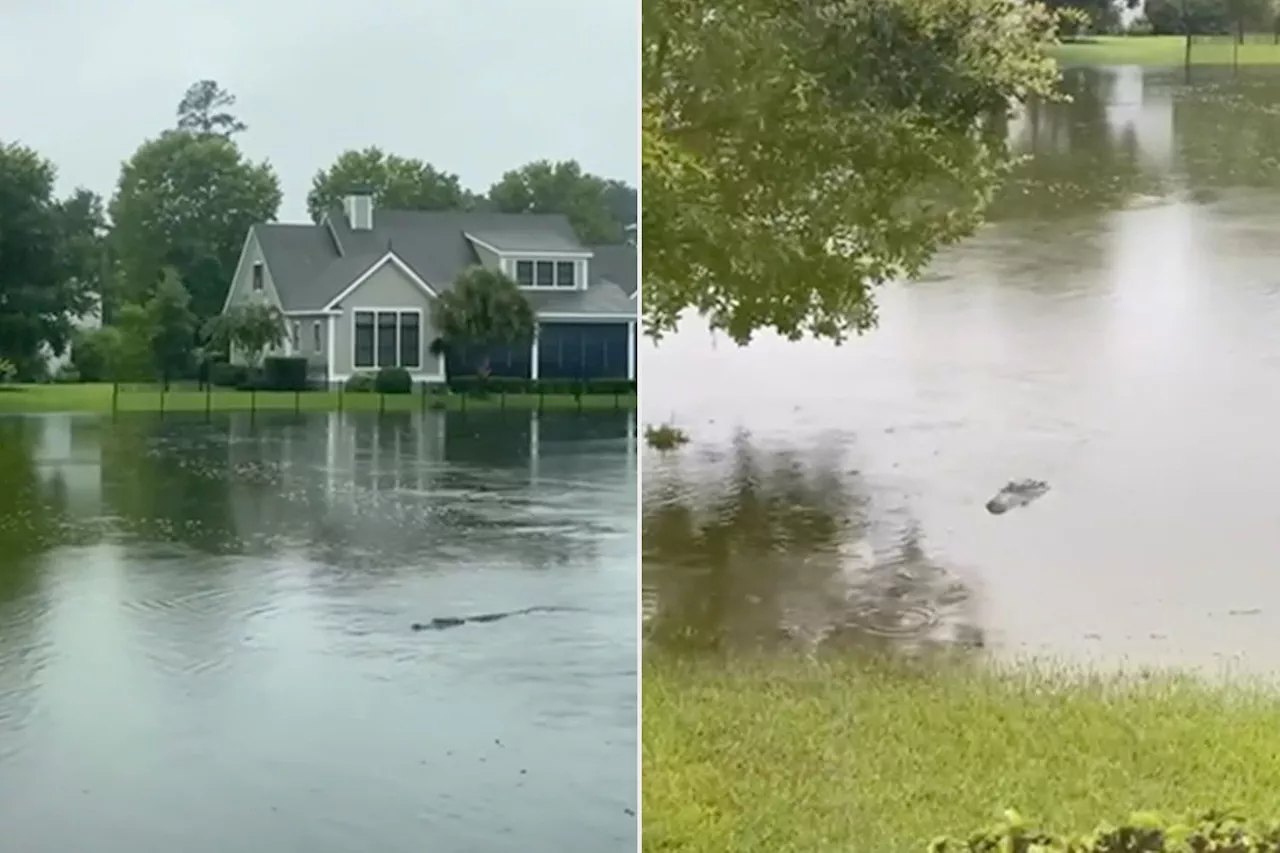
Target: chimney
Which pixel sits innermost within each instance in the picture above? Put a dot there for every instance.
(359, 209)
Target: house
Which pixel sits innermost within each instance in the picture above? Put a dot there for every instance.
(359, 290)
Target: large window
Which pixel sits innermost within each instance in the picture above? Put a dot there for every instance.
(547, 274)
(257, 275)
(388, 339)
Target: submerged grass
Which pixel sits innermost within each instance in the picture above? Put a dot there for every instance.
(1163, 51)
(867, 755)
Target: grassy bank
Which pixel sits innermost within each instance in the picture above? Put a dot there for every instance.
(791, 755)
(89, 397)
(1162, 51)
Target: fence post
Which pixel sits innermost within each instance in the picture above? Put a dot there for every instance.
(115, 398)
(297, 401)
(208, 401)
(422, 398)
(341, 390)
(162, 392)
(253, 404)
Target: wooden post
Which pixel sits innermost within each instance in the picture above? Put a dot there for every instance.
(382, 403)
(162, 393)
(297, 401)
(115, 398)
(208, 401)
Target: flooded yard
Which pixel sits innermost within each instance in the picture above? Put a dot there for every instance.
(206, 644)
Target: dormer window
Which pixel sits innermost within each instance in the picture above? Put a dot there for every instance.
(547, 275)
(257, 276)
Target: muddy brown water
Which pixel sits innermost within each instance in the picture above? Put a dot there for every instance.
(1114, 331)
(205, 637)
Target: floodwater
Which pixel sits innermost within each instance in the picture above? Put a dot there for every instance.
(205, 637)
(1114, 331)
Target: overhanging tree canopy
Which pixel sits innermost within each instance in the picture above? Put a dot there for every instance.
(796, 153)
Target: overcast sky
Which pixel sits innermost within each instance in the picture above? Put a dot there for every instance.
(474, 87)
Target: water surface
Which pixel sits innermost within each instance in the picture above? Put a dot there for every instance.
(205, 644)
(1115, 331)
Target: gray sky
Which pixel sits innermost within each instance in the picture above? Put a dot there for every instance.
(474, 87)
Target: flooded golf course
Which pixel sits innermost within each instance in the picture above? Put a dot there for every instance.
(206, 644)
(1115, 331)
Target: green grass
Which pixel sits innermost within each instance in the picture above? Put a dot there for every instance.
(91, 397)
(1166, 51)
(794, 755)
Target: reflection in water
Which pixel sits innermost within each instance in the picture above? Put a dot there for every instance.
(205, 633)
(1124, 350)
(780, 547)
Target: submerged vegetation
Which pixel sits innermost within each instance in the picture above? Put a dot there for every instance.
(868, 753)
(665, 437)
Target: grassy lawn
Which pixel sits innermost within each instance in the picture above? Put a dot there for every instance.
(794, 755)
(1162, 51)
(88, 397)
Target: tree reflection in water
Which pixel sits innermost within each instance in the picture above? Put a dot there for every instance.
(772, 548)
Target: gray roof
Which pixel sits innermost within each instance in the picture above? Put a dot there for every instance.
(529, 240)
(616, 263)
(309, 269)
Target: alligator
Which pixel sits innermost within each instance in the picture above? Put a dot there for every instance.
(1016, 493)
(439, 623)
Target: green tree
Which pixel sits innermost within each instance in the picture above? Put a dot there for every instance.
(484, 309)
(1103, 16)
(546, 187)
(205, 109)
(397, 183)
(172, 326)
(622, 201)
(250, 330)
(95, 353)
(134, 360)
(45, 259)
(795, 155)
(186, 201)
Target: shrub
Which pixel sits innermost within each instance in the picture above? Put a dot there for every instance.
(508, 384)
(285, 373)
(8, 371)
(361, 383)
(95, 353)
(1216, 831)
(224, 375)
(665, 437)
(393, 380)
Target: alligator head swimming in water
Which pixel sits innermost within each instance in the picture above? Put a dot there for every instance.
(1016, 493)
(439, 623)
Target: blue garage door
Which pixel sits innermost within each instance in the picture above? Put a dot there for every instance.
(582, 351)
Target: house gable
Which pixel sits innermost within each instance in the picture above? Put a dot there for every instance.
(241, 291)
(390, 258)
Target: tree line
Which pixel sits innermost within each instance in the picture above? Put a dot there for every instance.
(159, 255)
(1174, 17)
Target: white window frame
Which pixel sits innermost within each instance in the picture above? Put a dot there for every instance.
(317, 344)
(399, 312)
